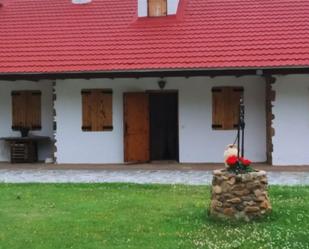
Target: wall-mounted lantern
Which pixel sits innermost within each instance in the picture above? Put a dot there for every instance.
(162, 84)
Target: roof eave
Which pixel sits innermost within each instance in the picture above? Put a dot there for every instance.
(212, 72)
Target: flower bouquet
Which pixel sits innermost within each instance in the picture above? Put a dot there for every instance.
(238, 165)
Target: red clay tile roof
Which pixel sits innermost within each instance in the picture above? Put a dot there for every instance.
(58, 36)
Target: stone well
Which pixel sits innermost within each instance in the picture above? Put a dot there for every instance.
(240, 197)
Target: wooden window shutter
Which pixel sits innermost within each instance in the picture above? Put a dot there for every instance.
(26, 110)
(226, 107)
(107, 110)
(97, 110)
(18, 112)
(217, 108)
(33, 116)
(86, 110)
(157, 8)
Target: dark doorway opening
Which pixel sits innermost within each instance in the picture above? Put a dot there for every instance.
(164, 126)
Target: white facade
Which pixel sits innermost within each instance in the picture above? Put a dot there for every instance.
(198, 143)
(291, 123)
(6, 87)
(172, 7)
(142, 8)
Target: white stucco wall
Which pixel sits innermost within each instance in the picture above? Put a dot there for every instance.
(172, 6)
(291, 123)
(6, 87)
(142, 8)
(197, 141)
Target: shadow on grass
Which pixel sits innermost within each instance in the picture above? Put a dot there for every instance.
(223, 222)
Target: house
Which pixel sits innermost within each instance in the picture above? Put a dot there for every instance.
(145, 80)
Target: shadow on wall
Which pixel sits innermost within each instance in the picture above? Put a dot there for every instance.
(4, 151)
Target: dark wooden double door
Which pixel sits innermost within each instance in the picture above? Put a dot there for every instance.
(151, 126)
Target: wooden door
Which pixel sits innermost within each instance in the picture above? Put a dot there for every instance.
(136, 127)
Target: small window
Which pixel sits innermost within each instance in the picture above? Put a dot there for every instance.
(225, 107)
(26, 110)
(97, 110)
(157, 8)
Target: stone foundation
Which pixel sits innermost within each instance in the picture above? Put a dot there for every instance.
(240, 197)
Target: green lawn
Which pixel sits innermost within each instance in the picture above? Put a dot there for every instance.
(141, 216)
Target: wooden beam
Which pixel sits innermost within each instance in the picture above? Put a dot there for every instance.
(270, 97)
(153, 73)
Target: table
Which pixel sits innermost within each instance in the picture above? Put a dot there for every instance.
(24, 149)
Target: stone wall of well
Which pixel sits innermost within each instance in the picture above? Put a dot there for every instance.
(241, 197)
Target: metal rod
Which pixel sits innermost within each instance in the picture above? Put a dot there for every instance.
(242, 126)
(242, 143)
(238, 132)
(238, 142)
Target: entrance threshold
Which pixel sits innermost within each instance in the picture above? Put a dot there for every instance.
(164, 162)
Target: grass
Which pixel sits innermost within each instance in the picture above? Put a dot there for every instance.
(86, 216)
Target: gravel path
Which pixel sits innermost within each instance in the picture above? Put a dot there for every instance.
(135, 176)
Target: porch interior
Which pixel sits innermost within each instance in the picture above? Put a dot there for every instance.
(147, 166)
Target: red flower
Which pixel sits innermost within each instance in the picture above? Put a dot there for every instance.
(245, 161)
(232, 160)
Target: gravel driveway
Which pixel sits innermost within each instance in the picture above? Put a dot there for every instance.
(135, 176)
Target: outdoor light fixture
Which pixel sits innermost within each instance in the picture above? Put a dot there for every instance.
(161, 84)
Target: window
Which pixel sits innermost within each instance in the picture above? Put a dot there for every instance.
(97, 110)
(157, 8)
(225, 107)
(26, 110)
